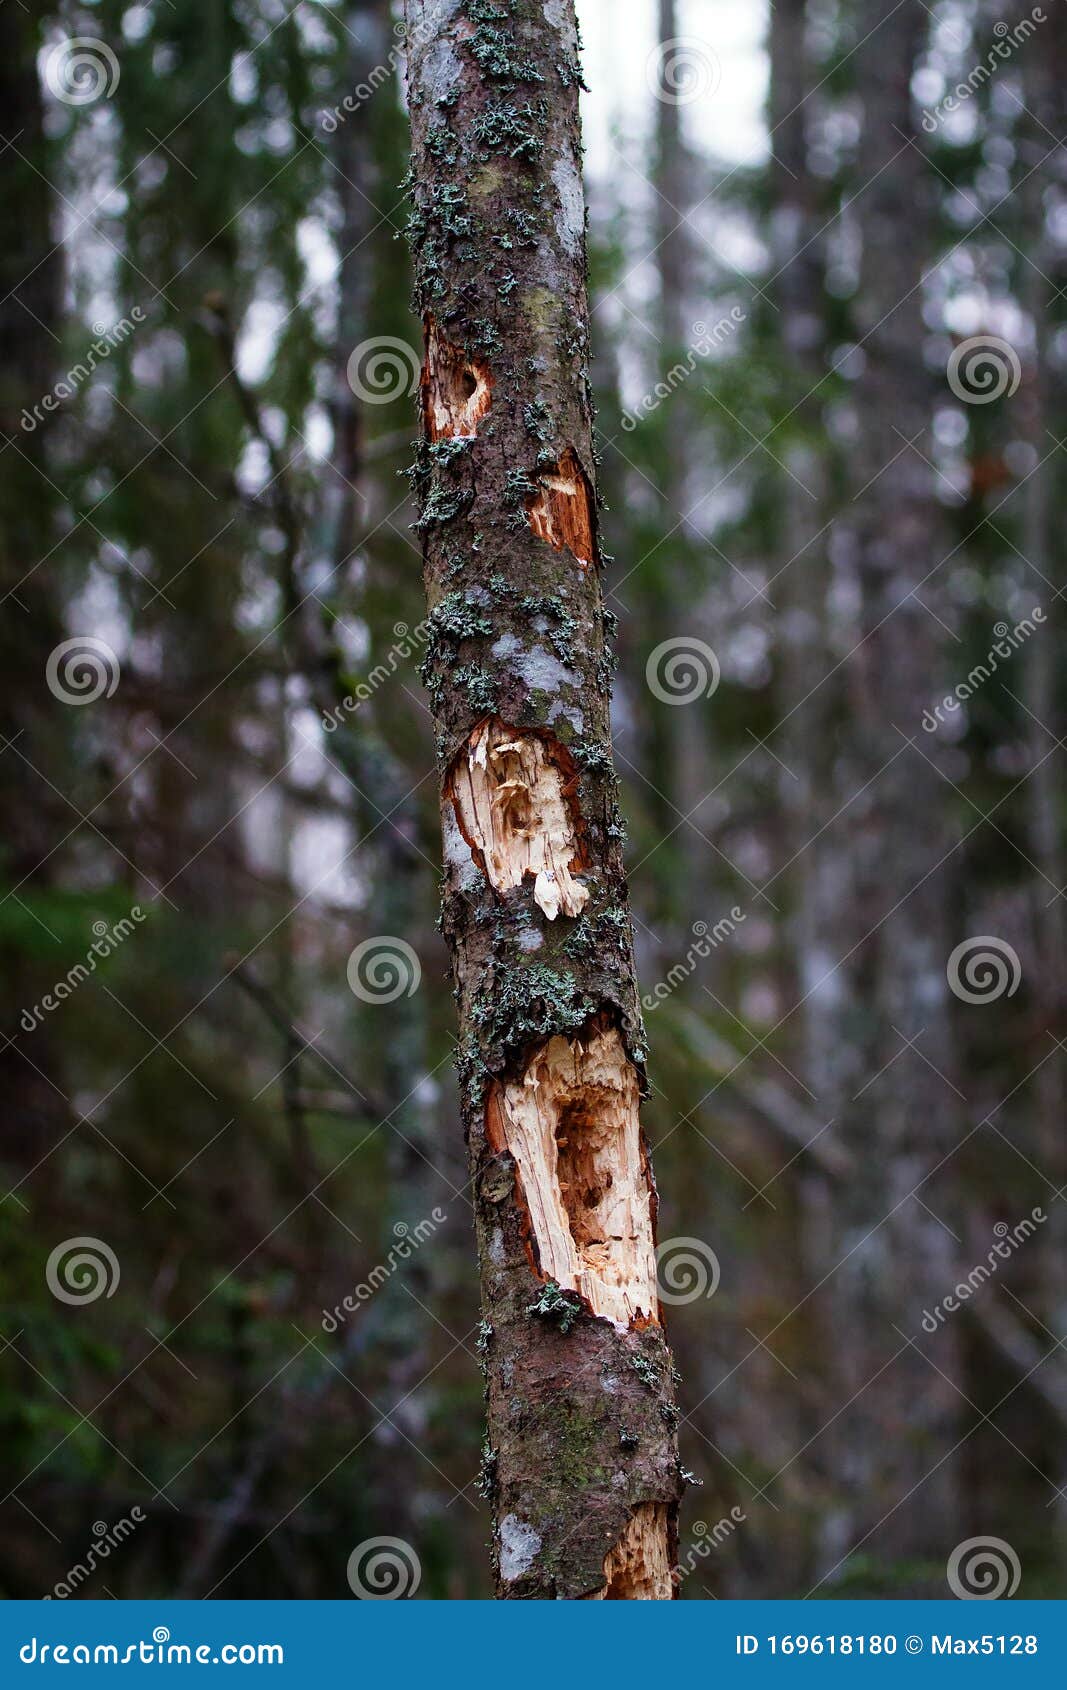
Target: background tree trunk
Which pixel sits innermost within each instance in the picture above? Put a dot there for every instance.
(896, 1105)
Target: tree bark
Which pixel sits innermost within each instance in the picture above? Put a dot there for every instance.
(581, 1456)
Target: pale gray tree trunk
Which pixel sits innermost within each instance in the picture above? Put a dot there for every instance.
(894, 1249)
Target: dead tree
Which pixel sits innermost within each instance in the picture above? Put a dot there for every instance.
(581, 1454)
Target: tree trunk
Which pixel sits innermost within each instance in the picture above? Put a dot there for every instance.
(808, 712)
(1043, 276)
(897, 1112)
(34, 725)
(581, 1457)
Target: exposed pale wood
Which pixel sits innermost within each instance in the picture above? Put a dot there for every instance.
(571, 1123)
(514, 811)
(560, 512)
(455, 389)
(638, 1568)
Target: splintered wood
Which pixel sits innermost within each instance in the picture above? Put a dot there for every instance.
(638, 1569)
(515, 814)
(560, 511)
(571, 1124)
(455, 388)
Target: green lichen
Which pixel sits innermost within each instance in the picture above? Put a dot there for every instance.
(485, 1483)
(446, 452)
(455, 618)
(536, 420)
(491, 49)
(526, 229)
(443, 504)
(441, 145)
(519, 486)
(646, 1372)
(479, 687)
(518, 131)
(483, 337)
(592, 934)
(530, 1004)
(593, 757)
(560, 1307)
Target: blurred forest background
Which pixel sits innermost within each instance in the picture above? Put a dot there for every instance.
(810, 471)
